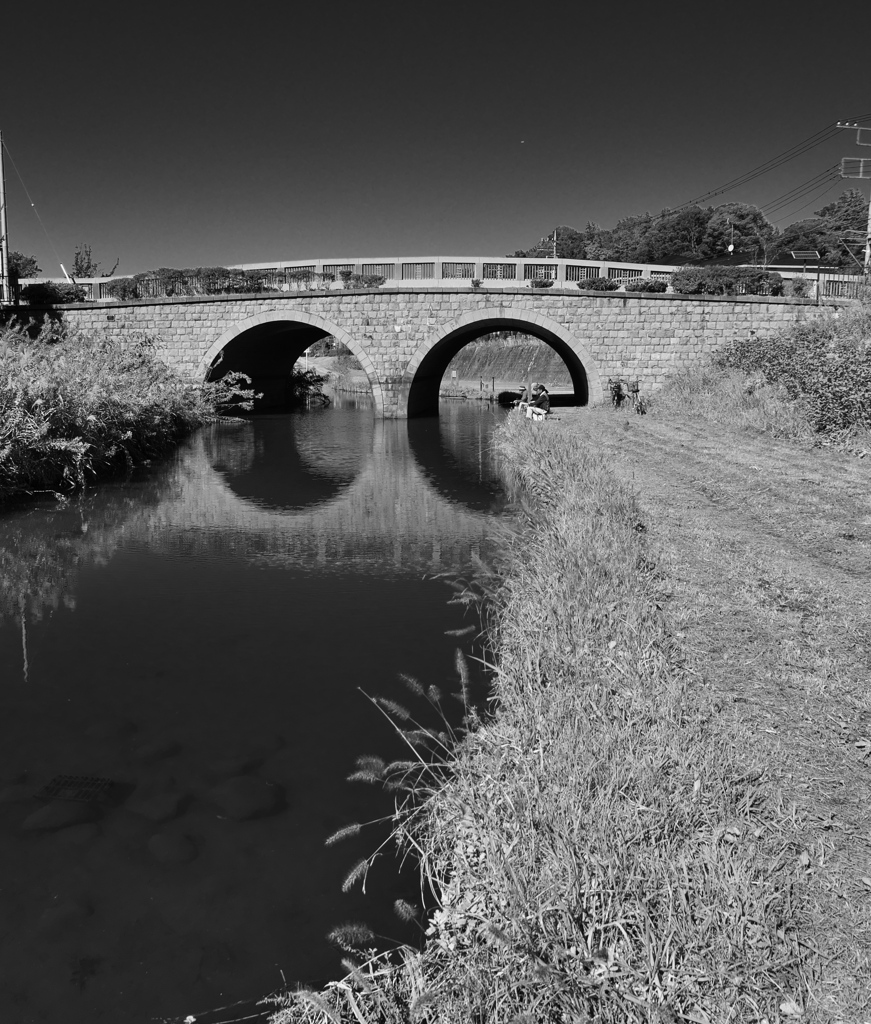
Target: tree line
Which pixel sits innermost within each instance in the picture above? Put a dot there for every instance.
(697, 233)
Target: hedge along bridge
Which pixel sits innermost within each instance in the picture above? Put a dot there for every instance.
(405, 336)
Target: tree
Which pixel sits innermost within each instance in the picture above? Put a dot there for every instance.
(849, 212)
(741, 225)
(675, 235)
(23, 266)
(84, 264)
(826, 230)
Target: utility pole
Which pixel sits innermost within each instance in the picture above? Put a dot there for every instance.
(5, 289)
(859, 167)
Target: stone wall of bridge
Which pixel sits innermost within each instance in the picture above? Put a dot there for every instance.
(404, 339)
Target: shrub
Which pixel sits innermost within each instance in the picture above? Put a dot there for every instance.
(541, 282)
(825, 363)
(726, 281)
(599, 284)
(352, 280)
(798, 287)
(166, 282)
(476, 282)
(74, 406)
(646, 284)
(123, 288)
(50, 293)
(301, 278)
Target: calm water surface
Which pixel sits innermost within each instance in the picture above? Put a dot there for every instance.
(220, 617)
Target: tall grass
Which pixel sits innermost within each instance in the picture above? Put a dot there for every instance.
(734, 398)
(812, 379)
(604, 850)
(74, 407)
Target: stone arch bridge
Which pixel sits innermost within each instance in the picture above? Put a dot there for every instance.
(405, 338)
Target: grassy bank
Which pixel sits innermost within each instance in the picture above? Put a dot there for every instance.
(668, 818)
(811, 382)
(75, 407)
(607, 849)
(513, 360)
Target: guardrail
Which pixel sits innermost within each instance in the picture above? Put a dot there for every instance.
(424, 271)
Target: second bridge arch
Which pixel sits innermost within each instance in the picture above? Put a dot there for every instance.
(419, 393)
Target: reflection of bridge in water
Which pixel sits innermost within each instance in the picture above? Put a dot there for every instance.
(380, 496)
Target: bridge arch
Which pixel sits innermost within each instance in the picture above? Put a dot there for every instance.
(282, 337)
(425, 369)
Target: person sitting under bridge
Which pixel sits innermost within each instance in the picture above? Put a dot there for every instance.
(539, 407)
(522, 400)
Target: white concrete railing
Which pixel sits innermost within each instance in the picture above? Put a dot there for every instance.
(493, 272)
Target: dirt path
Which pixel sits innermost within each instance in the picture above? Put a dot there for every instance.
(766, 548)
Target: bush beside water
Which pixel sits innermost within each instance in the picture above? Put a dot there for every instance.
(74, 407)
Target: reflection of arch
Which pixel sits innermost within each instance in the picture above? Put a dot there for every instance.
(420, 384)
(276, 340)
(454, 477)
(245, 459)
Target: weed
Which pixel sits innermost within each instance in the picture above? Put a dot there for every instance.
(74, 406)
(809, 382)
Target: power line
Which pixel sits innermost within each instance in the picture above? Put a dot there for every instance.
(33, 205)
(800, 191)
(813, 201)
(769, 165)
(817, 188)
(799, 149)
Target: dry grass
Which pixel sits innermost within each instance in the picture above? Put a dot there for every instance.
(735, 399)
(810, 382)
(74, 407)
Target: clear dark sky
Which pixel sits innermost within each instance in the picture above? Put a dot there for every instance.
(198, 134)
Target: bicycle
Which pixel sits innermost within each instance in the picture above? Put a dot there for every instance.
(627, 390)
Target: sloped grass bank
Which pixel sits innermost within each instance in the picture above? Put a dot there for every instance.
(809, 382)
(605, 849)
(75, 407)
(511, 360)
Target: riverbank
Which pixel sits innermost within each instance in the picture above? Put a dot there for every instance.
(668, 820)
(76, 408)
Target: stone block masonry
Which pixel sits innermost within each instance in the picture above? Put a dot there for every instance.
(403, 336)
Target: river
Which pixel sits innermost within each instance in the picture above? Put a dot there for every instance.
(195, 649)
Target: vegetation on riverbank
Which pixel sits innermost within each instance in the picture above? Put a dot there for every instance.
(809, 381)
(75, 407)
(606, 849)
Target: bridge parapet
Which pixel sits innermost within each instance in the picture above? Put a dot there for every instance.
(490, 272)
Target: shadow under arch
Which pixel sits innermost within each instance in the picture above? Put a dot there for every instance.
(266, 347)
(420, 386)
(282, 463)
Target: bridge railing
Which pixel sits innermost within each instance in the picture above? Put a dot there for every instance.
(495, 272)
